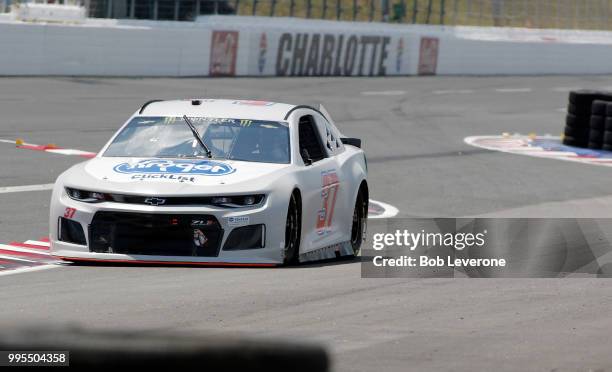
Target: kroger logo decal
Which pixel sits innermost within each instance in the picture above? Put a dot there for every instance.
(165, 166)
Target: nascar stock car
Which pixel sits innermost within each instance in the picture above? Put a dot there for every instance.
(222, 182)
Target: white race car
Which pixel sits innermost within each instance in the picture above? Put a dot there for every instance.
(221, 182)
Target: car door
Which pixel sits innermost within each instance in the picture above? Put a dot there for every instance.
(321, 185)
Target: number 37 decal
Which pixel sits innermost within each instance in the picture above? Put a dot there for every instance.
(69, 212)
(330, 185)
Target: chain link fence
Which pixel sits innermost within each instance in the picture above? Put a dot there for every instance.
(565, 14)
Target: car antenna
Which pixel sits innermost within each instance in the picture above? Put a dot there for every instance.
(197, 136)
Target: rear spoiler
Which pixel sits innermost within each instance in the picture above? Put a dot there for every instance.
(351, 141)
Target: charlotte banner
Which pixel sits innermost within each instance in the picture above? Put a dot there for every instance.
(330, 53)
(488, 248)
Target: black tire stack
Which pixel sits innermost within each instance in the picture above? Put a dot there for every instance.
(607, 131)
(596, 124)
(586, 118)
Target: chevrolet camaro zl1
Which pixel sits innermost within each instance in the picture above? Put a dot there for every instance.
(210, 181)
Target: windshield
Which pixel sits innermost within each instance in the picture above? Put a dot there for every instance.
(232, 139)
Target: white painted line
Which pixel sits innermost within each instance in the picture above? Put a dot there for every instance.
(36, 242)
(27, 269)
(69, 152)
(564, 89)
(9, 189)
(513, 90)
(384, 93)
(453, 91)
(13, 142)
(72, 152)
(24, 250)
(5, 257)
(390, 211)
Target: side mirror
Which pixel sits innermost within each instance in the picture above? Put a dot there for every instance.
(306, 157)
(351, 141)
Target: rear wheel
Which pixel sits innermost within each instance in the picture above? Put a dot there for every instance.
(360, 214)
(292, 232)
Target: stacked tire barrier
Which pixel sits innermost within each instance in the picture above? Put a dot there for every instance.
(588, 113)
(607, 134)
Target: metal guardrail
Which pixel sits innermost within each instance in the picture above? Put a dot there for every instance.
(565, 14)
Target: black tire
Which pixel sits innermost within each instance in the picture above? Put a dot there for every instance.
(586, 97)
(578, 110)
(596, 135)
(571, 141)
(608, 124)
(293, 228)
(609, 109)
(595, 145)
(597, 122)
(599, 108)
(360, 216)
(607, 139)
(577, 121)
(579, 133)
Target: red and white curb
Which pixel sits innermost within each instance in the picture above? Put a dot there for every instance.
(50, 148)
(31, 255)
(549, 147)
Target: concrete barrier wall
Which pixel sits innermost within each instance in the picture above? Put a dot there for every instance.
(261, 46)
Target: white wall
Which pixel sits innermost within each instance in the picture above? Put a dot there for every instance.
(267, 46)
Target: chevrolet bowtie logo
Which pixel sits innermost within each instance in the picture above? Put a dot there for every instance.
(155, 201)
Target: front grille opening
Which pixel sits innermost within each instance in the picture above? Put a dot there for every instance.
(155, 234)
(71, 232)
(246, 237)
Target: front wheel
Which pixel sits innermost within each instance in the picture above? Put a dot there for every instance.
(292, 232)
(360, 215)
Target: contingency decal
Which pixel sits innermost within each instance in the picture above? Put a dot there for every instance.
(542, 147)
(238, 221)
(329, 192)
(178, 167)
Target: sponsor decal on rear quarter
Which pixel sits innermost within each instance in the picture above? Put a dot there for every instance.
(167, 166)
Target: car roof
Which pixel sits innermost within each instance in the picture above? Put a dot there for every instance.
(218, 108)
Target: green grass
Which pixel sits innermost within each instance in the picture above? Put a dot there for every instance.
(566, 14)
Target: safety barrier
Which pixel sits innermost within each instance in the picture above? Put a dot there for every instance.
(262, 46)
(588, 122)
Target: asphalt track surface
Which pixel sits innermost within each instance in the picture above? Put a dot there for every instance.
(413, 131)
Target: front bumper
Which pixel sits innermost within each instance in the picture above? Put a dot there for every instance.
(161, 242)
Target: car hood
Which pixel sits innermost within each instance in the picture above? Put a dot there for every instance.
(172, 176)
